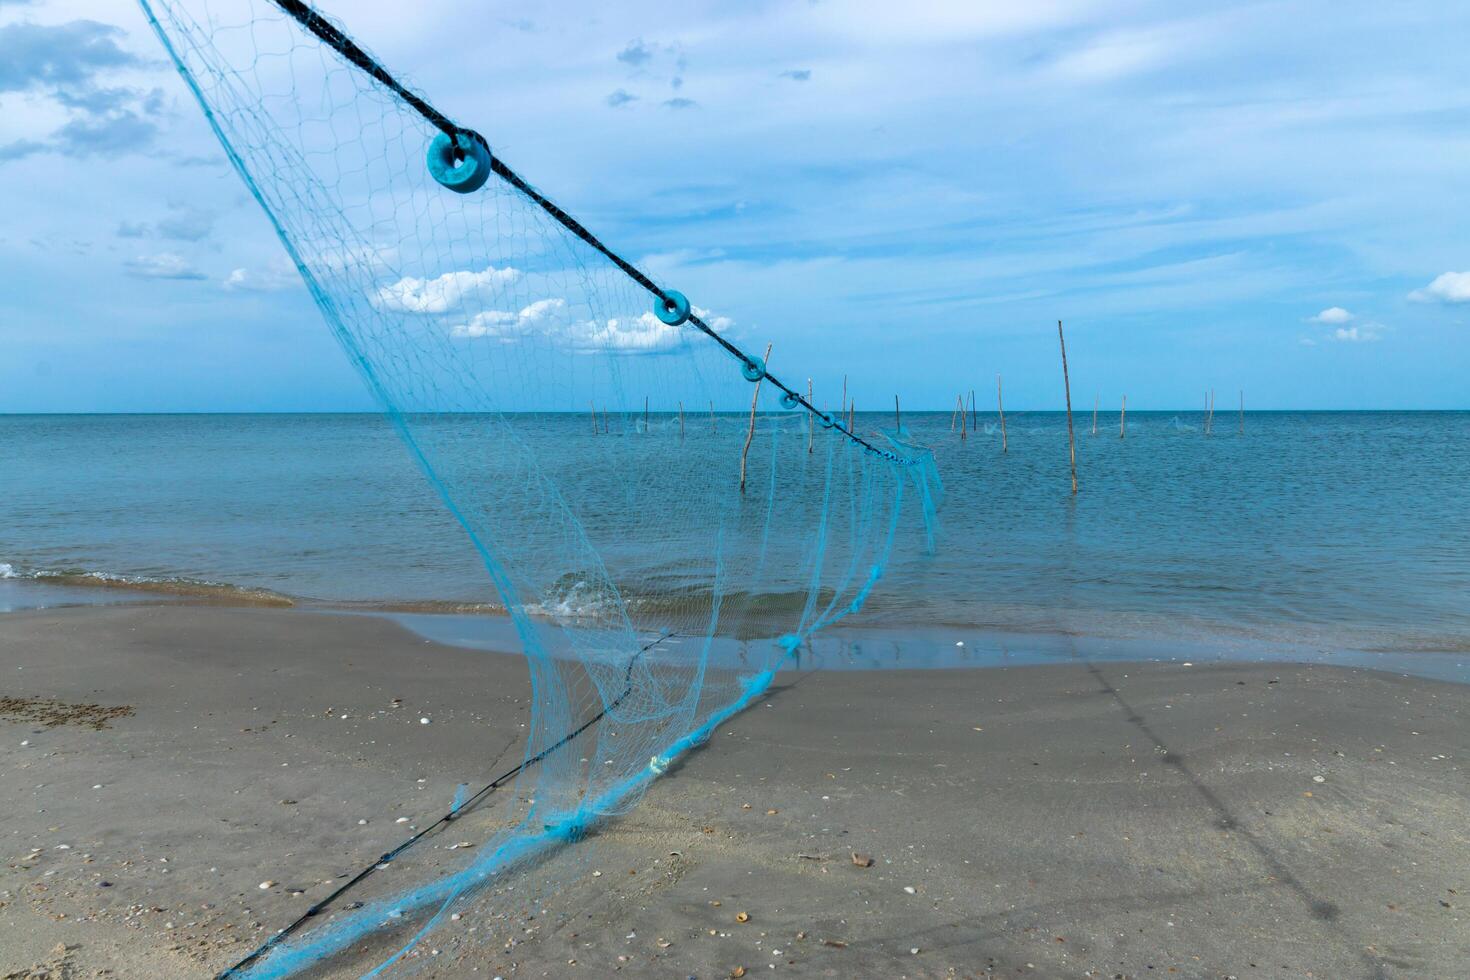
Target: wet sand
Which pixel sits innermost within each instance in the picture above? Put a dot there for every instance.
(158, 763)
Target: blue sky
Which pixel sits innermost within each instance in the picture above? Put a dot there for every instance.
(1269, 195)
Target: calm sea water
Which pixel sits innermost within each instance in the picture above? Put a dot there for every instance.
(1326, 530)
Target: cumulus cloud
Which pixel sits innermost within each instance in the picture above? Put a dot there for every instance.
(164, 265)
(719, 324)
(112, 134)
(646, 334)
(1449, 287)
(18, 149)
(63, 61)
(443, 294)
(183, 224)
(186, 224)
(500, 323)
(797, 74)
(621, 98)
(545, 321)
(637, 53)
(1353, 335)
(680, 103)
(270, 279)
(1333, 314)
(59, 56)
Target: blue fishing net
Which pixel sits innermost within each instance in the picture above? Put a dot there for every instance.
(663, 518)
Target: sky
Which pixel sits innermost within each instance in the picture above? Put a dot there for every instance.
(1267, 197)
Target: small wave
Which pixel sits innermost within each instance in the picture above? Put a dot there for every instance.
(182, 587)
(577, 596)
(7, 570)
(440, 607)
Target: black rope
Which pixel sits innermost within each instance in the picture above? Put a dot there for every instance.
(330, 35)
(443, 821)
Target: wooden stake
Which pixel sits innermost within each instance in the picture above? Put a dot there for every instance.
(897, 418)
(811, 420)
(974, 423)
(1123, 420)
(1095, 400)
(594, 417)
(964, 419)
(851, 411)
(750, 433)
(1067, 386)
(645, 415)
(954, 416)
(1000, 404)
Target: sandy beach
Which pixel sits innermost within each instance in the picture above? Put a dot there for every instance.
(159, 763)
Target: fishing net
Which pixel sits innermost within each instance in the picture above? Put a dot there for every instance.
(664, 520)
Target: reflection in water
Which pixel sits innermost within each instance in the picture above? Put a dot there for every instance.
(948, 649)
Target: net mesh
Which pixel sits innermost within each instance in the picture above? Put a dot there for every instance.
(662, 531)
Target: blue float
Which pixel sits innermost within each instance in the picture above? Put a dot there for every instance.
(788, 400)
(672, 307)
(461, 164)
(753, 368)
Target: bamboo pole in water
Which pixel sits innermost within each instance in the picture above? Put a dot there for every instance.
(1095, 400)
(897, 418)
(645, 414)
(964, 419)
(954, 416)
(750, 432)
(1067, 386)
(974, 423)
(1123, 420)
(593, 407)
(811, 421)
(1001, 405)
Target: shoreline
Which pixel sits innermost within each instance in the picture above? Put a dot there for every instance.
(880, 644)
(1074, 816)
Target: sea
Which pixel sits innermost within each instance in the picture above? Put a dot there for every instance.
(1295, 535)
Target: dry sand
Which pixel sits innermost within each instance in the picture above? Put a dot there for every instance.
(158, 762)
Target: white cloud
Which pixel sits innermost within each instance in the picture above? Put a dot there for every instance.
(719, 324)
(1333, 314)
(1353, 335)
(499, 323)
(442, 294)
(1449, 287)
(267, 280)
(645, 334)
(164, 265)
